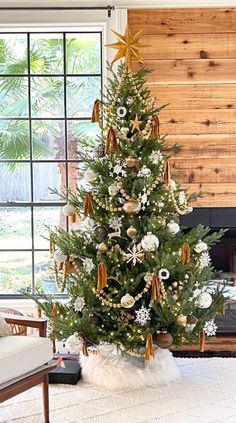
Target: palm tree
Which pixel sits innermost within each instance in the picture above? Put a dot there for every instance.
(46, 99)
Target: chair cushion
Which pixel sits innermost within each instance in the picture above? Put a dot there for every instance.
(22, 354)
(4, 330)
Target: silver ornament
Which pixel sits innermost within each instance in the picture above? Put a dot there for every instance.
(204, 300)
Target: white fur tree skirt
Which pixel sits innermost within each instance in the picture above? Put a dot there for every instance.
(113, 371)
(204, 394)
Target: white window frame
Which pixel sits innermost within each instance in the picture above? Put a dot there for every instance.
(67, 20)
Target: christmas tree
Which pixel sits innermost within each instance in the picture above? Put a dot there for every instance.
(134, 279)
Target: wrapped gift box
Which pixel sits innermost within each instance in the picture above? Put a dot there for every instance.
(68, 370)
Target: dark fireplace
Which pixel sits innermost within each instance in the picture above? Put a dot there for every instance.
(223, 254)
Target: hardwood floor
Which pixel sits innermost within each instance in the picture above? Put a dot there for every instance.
(222, 346)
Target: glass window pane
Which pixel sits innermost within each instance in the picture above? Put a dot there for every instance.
(48, 138)
(15, 182)
(44, 276)
(46, 53)
(83, 53)
(47, 177)
(13, 96)
(47, 96)
(13, 53)
(45, 217)
(74, 174)
(14, 140)
(15, 271)
(77, 130)
(81, 94)
(15, 228)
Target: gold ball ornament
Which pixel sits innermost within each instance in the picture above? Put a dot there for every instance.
(132, 206)
(164, 340)
(131, 232)
(102, 248)
(127, 301)
(181, 320)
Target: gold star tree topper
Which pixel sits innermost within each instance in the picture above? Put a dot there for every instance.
(128, 46)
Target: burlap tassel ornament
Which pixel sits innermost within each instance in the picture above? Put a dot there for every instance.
(54, 311)
(156, 288)
(88, 204)
(202, 337)
(102, 276)
(84, 350)
(67, 266)
(61, 266)
(155, 127)
(111, 145)
(149, 351)
(185, 253)
(166, 176)
(96, 111)
(73, 218)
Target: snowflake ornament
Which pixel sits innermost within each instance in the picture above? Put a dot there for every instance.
(204, 260)
(135, 255)
(117, 170)
(88, 265)
(210, 328)
(142, 316)
(143, 198)
(115, 223)
(156, 157)
(79, 304)
(144, 172)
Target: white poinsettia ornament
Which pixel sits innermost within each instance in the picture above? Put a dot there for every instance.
(150, 242)
(88, 265)
(200, 247)
(79, 304)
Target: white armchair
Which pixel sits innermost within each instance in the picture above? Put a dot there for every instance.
(22, 360)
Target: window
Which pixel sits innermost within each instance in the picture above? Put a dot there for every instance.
(48, 83)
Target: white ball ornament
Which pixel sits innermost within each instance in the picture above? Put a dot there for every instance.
(113, 190)
(173, 227)
(204, 300)
(150, 242)
(68, 210)
(74, 343)
(59, 256)
(127, 301)
(200, 247)
(90, 175)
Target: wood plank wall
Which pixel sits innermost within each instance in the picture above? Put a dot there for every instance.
(193, 56)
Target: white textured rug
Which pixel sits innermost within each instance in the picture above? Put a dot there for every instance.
(205, 394)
